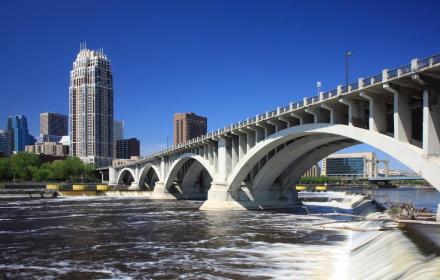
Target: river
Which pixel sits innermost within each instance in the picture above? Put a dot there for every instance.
(135, 238)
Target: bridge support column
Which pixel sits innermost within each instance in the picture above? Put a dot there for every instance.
(112, 176)
(337, 113)
(220, 199)
(355, 112)
(401, 114)
(378, 113)
(319, 115)
(431, 123)
(160, 192)
(250, 139)
(234, 150)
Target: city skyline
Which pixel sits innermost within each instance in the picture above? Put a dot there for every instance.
(199, 68)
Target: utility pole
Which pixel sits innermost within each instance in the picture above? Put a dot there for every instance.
(347, 54)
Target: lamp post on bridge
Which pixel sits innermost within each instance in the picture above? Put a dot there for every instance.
(168, 139)
(347, 54)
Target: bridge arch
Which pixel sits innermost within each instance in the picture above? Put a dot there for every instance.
(126, 177)
(197, 166)
(294, 154)
(149, 174)
(406, 153)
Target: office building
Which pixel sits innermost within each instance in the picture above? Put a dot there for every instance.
(65, 140)
(4, 143)
(91, 107)
(53, 124)
(49, 138)
(314, 171)
(118, 134)
(352, 165)
(18, 133)
(48, 148)
(188, 126)
(127, 148)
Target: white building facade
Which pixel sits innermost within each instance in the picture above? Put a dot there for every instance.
(91, 107)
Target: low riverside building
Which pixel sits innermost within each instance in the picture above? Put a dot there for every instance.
(48, 148)
(123, 161)
(351, 165)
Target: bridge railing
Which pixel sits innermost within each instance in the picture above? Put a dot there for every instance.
(377, 79)
(390, 74)
(393, 73)
(353, 86)
(366, 82)
(405, 69)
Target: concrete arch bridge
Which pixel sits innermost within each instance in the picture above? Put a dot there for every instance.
(253, 164)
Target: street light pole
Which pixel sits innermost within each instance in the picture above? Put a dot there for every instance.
(168, 138)
(347, 54)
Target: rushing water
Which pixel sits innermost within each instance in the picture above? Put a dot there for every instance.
(135, 238)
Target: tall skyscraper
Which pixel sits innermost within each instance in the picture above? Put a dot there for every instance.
(118, 134)
(18, 133)
(4, 143)
(91, 107)
(53, 124)
(188, 126)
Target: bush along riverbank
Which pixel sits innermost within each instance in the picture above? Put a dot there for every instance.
(29, 167)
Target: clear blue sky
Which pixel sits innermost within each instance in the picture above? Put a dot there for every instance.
(227, 60)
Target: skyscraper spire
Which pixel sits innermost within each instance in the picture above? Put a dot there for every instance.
(82, 46)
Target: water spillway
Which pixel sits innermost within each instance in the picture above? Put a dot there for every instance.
(388, 255)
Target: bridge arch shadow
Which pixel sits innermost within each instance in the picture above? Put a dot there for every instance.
(149, 176)
(126, 177)
(190, 177)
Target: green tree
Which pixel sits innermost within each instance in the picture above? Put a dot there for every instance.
(5, 169)
(23, 165)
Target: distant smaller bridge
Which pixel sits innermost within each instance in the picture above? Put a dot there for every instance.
(395, 178)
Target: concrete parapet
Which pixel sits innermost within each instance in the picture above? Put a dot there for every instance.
(102, 187)
(78, 187)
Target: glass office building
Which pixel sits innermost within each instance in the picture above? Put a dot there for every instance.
(353, 165)
(19, 133)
